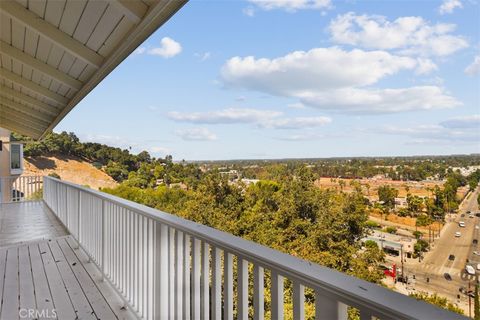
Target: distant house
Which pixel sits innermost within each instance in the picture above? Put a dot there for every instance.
(401, 202)
(178, 185)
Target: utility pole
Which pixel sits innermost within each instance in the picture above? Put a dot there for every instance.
(401, 259)
(469, 301)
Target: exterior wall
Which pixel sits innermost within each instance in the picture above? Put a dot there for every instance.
(7, 174)
(5, 188)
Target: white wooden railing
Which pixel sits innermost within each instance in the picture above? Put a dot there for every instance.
(21, 188)
(166, 267)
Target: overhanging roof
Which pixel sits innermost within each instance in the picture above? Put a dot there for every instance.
(53, 53)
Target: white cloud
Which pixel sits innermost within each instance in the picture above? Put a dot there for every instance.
(225, 116)
(249, 11)
(196, 134)
(449, 5)
(301, 137)
(425, 66)
(474, 67)
(332, 78)
(381, 100)
(296, 105)
(472, 121)
(168, 48)
(291, 5)
(295, 123)
(317, 69)
(203, 56)
(408, 35)
(140, 50)
(159, 150)
(267, 119)
(458, 130)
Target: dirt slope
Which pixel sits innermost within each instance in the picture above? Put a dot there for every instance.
(71, 169)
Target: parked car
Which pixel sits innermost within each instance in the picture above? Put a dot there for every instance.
(474, 241)
(477, 253)
(461, 224)
(451, 257)
(470, 270)
(447, 276)
(467, 292)
(457, 234)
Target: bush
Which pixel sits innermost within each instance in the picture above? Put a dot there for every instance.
(54, 175)
(371, 244)
(392, 230)
(420, 246)
(417, 234)
(372, 224)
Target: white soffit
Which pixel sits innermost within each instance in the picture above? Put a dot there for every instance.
(53, 53)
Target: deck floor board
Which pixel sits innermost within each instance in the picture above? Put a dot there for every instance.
(55, 280)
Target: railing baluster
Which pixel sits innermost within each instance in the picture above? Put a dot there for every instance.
(179, 264)
(298, 301)
(216, 284)
(171, 271)
(186, 274)
(327, 308)
(365, 314)
(242, 306)
(205, 281)
(258, 292)
(196, 273)
(277, 296)
(228, 286)
(161, 276)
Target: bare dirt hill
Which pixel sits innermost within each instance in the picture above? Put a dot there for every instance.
(71, 169)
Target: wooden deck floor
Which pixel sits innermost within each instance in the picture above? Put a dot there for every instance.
(27, 221)
(54, 280)
(42, 273)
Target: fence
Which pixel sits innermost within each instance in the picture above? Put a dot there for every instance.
(22, 188)
(166, 267)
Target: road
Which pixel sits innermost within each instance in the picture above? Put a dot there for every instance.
(429, 273)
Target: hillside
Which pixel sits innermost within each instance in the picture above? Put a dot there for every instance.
(71, 168)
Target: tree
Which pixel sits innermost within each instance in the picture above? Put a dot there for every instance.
(387, 194)
(437, 300)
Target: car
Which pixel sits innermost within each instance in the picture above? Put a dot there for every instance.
(462, 215)
(458, 234)
(469, 269)
(478, 266)
(467, 292)
(474, 241)
(477, 227)
(461, 224)
(451, 257)
(471, 216)
(469, 211)
(476, 253)
(447, 276)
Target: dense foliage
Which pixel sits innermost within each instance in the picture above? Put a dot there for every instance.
(284, 210)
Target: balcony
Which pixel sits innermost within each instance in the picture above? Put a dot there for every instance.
(118, 259)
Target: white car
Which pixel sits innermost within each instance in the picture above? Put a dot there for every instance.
(478, 266)
(477, 227)
(476, 253)
(469, 269)
(457, 234)
(461, 224)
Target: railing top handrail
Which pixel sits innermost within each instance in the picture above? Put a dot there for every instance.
(383, 302)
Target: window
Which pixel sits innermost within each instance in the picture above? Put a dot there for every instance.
(16, 156)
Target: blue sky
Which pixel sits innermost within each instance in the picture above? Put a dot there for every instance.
(296, 78)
